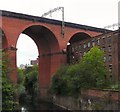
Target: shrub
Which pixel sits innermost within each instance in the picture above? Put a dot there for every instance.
(90, 72)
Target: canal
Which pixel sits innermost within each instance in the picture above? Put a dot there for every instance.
(42, 106)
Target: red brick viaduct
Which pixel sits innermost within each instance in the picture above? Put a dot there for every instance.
(46, 33)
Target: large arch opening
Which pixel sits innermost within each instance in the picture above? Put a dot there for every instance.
(48, 48)
(75, 47)
(27, 72)
(26, 51)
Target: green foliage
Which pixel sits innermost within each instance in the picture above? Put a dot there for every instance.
(7, 94)
(20, 89)
(8, 90)
(58, 82)
(27, 82)
(90, 72)
(20, 76)
(31, 78)
(6, 64)
(93, 69)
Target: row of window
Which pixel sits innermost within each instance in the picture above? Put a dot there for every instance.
(76, 61)
(85, 45)
(109, 48)
(80, 55)
(103, 48)
(109, 58)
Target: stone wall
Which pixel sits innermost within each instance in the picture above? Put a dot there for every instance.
(90, 100)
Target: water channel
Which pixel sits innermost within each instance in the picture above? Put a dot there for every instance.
(42, 106)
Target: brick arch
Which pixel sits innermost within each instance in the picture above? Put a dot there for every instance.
(75, 35)
(48, 49)
(29, 25)
(79, 36)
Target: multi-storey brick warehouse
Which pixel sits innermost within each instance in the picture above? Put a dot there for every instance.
(109, 42)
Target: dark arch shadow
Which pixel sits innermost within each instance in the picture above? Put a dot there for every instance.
(79, 37)
(41, 34)
(76, 38)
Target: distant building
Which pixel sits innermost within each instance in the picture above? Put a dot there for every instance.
(22, 66)
(34, 62)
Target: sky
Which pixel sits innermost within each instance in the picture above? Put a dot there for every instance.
(97, 13)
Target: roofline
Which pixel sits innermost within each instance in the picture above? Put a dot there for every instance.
(51, 21)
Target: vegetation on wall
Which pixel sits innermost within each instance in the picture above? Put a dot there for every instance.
(90, 72)
(8, 89)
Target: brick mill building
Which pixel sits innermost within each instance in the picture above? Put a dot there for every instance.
(108, 41)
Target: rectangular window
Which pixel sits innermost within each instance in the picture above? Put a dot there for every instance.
(104, 59)
(93, 42)
(88, 44)
(98, 41)
(103, 37)
(108, 35)
(84, 46)
(109, 58)
(109, 48)
(103, 40)
(109, 40)
(103, 48)
(110, 67)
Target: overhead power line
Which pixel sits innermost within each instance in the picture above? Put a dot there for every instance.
(113, 26)
(54, 10)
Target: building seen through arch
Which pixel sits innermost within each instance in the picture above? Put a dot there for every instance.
(109, 42)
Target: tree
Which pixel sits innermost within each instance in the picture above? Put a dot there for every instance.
(59, 84)
(20, 84)
(93, 72)
(8, 90)
(20, 76)
(90, 72)
(30, 82)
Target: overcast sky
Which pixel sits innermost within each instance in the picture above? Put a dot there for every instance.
(97, 13)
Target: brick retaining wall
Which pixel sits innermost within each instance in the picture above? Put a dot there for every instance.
(93, 99)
